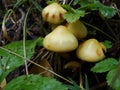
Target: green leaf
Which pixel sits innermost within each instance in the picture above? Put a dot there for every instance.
(73, 16)
(36, 5)
(34, 82)
(85, 5)
(105, 65)
(51, 1)
(75, 2)
(19, 2)
(74, 86)
(105, 11)
(9, 61)
(89, 5)
(107, 43)
(109, 78)
(86, 2)
(86, 83)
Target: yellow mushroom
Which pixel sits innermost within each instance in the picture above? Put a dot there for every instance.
(91, 50)
(53, 13)
(60, 40)
(78, 29)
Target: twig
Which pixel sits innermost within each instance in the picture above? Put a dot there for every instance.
(19, 24)
(6, 6)
(22, 15)
(99, 30)
(24, 41)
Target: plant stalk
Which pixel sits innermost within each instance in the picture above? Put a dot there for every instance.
(24, 42)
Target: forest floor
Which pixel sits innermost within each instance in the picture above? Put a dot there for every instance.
(36, 27)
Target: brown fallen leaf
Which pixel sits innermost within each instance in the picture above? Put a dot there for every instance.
(37, 70)
(2, 84)
(72, 65)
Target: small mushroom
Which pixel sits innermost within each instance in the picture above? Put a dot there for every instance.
(78, 29)
(91, 51)
(53, 13)
(72, 65)
(60, 40)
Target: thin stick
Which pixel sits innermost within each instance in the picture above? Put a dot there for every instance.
(99, 30)
(24, 42)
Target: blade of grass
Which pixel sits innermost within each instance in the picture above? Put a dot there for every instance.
(86, 83)
(4, 29)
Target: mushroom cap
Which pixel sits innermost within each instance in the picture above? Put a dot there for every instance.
(53, 13)
(78, 29)
(91, 51)
(60, 40)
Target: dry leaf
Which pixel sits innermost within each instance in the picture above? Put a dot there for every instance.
(37, 70)
(2, 84)
(73, 65)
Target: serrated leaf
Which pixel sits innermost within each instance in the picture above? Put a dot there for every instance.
(68, 8)
(107, 43)
(34, 82)
(105, 65)
(109, 78)
(106, 11)
(89, 5)
(9, 61)
(73, 16)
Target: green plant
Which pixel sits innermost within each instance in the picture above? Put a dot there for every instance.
(86, 5)
(18, 53)
(9, 62)
(111, 66)
(34, 82)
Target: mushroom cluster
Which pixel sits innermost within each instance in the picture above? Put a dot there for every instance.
(64, 38)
